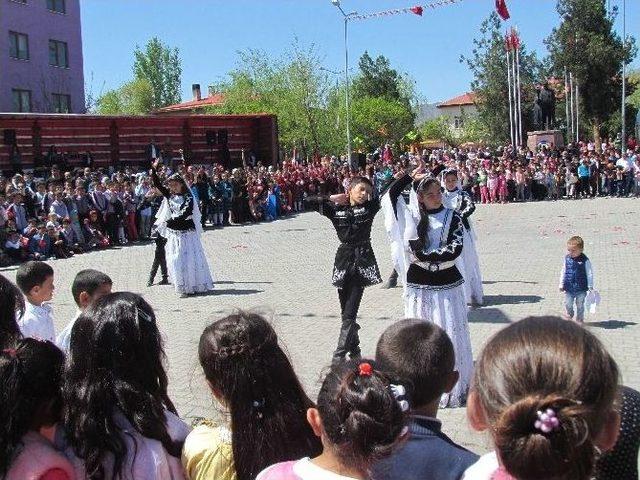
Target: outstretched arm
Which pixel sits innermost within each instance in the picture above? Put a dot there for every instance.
(157, 182)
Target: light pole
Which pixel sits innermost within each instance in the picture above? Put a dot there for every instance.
(623, 143)
(346, 17)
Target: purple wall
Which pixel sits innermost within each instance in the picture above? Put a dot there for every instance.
(34, 19)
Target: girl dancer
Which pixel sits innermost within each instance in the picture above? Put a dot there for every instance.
(178, 220)
(426, 239)
(457, 199)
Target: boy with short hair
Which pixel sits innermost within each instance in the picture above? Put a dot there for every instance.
(576, 279)
(88, 286)
(35, 280)
(419, 355)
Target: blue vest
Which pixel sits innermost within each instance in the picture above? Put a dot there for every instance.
(575, 274)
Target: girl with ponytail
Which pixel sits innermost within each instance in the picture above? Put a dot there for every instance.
(546, 389)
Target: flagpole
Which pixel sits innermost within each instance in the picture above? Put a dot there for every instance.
(509, 87)
(577, 114)
(566, 104)
(515, 103)
(572, 106)
(624, 77)
(520, 132)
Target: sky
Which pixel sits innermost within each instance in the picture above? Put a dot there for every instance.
(209, 34)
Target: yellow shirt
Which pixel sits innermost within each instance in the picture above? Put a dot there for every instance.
(207, 453)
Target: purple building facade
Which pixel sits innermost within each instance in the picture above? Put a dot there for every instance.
(41, 66)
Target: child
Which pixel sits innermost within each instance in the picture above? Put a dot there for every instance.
(88, 287)
(118, 421)
(35, 280)
(355, 265)
(251, 376)
(159, 260)
(11, 306)
(30, 374)
(426, 241)
(420, 355)
(546, 390)
(360, 419)
(576, 279)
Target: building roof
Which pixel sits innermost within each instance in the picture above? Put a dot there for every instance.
(468, 98)
(215, 99)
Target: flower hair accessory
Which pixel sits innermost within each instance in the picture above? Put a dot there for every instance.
(547, 421)
(399, 392)
(12, 352)
(365, 369)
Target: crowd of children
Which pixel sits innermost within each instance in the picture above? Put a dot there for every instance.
(93, 402)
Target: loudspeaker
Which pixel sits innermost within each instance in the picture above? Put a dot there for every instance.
(9, 136)
(223, 136)
(211, 137)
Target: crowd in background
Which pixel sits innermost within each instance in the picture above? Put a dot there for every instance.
(65, 211)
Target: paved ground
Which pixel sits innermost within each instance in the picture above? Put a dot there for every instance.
(283, 269)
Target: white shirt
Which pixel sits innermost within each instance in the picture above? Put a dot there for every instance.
(63, 340)
(37, 322)
(483, 469)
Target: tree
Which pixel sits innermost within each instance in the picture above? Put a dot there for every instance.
(160, 65)
(132, 98)
(379, 120)
(587, 45)
(488, 63)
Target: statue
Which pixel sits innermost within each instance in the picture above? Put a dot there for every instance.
(546, 102)
(538, 123)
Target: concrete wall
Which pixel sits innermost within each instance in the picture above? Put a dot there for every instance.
(34, 19)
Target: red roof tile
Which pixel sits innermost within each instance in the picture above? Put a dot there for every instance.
(468, 98)
(216, 99)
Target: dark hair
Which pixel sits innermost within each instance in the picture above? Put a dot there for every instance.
(32, 274)
(30, 372)
(115, 363)
(358, 180)
(11, 307)
(537, 364)
(88, 281)
(418, 354)
(245, 365)
(360, 415)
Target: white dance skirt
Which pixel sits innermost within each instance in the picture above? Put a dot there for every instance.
(188, 267)
(448, 310)
(469, 265)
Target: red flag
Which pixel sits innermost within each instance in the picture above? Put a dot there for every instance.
(501, 8)
(417, 10)
(515, 39)
(508, 42)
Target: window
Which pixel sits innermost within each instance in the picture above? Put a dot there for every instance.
(61, 103)
(19, 45)
(57, 6)
(458, 122)
(21, 100)
(58, 54)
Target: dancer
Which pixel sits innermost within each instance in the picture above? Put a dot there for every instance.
(455, 198)
(355, 265)
(159, 260)
(426, 239)
(178, 220)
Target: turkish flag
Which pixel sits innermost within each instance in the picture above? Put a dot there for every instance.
(501, 8)
(417, 10)
(515, 39)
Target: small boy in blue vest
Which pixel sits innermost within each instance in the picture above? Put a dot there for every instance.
(576, 279)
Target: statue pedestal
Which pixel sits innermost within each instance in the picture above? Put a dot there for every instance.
(552, 138)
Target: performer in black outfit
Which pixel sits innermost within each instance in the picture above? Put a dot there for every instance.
(355, 264)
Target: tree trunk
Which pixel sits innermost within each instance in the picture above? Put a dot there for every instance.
(596, 133)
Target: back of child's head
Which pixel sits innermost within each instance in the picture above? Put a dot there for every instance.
(30, 373)
(246, 367)
(88, 281)
(362, 417)
(11, 307)
(32, 274)
(546, 388)
(420, 355)
(115, 364)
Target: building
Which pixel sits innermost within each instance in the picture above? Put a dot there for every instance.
(41, 56)
(196, 105)
(457, 108)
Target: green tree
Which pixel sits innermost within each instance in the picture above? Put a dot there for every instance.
(132, 98)
(160, 65)
(438, 129)
(588, 46)
(488, 63)
(379, 120)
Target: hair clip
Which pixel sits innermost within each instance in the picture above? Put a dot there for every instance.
(399, 392)
(12, 352)
(365, 369)
(258, 405)
(547, 421)
(143, 315)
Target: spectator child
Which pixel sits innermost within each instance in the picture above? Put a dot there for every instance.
(11, 307)
(503, 191)
(125, 427)
(252, 377)
(30, 374)
(59, 207)
(419, 355)
(88, 287)
(545, 389)
(17, 212)
(576, 278)
(35, 280)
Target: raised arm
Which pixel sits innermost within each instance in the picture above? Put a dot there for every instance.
(467, 206)
(158, 183)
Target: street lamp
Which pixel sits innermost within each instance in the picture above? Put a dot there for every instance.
(346, 16)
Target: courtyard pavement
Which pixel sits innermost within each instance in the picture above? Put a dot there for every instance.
(283, 269)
